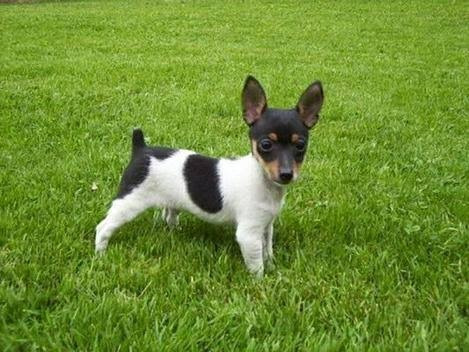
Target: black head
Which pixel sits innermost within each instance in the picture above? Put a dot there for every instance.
(279, 137)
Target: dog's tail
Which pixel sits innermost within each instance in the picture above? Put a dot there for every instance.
(138, 141)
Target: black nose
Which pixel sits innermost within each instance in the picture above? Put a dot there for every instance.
(286, 176)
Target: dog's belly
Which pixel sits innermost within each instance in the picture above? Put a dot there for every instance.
(217, 218)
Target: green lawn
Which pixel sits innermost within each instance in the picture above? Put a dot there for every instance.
(372, 245)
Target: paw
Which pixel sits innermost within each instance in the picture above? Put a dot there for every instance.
(100, 247)
(259, 274)
(269, 264)
(172, 221)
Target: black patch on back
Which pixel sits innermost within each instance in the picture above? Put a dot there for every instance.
(137, 170)
(203, 183)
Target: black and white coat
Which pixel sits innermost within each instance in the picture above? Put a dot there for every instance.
(246, 191)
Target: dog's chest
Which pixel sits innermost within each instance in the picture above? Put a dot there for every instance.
(245, 190)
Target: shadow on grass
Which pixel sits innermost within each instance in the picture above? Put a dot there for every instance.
(191, 230)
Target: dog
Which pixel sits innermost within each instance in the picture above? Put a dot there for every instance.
(248, 191)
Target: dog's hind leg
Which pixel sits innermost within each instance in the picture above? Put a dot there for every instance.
(122, 211)
(171, 217)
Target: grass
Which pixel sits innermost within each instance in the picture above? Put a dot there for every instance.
(372, 245)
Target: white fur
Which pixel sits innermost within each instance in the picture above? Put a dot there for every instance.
(250, 200)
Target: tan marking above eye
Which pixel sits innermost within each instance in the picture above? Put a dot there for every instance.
(295, 138)
(273, 136)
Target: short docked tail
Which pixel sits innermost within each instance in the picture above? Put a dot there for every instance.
(138, 141)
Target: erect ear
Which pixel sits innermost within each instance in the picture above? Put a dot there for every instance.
(310, 104)
(253, 100)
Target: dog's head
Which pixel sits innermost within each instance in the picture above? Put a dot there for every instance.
(279, 137)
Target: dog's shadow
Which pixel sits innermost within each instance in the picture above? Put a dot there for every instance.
(150, 227)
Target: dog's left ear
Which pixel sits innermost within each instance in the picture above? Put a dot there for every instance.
(310, 104)
(253, 100)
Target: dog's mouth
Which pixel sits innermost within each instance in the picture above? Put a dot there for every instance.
(282, 182)
(276, 174)
(282, 179)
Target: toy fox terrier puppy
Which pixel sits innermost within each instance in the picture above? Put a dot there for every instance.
(247, 191)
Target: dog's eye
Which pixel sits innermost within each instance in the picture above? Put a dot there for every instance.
(300, 146)
(266, 145)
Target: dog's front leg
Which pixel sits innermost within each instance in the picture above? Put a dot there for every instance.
(250, 239)
(268, 251)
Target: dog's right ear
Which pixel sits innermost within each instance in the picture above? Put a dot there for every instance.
(253, 100)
